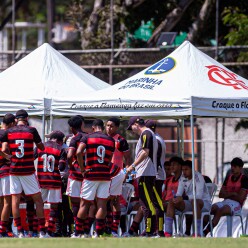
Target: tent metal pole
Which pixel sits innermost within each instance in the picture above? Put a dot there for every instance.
(43, 126)
(178, 139)
(193, 170)
(182, 139)
(51, 123)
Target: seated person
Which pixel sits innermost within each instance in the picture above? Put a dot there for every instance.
(171, 183)
(234, 191)
(186, 203)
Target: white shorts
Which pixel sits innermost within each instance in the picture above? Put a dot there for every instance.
(189, 207)
(92, 189)
(51, 195)
(73, 188)
(234, 205)
(4, 186)
(116, 184)
(29, 184)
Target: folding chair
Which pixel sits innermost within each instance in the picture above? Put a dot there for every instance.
(229, 222)
(212, 187)
(127, 193)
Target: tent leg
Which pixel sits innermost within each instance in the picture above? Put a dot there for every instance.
(178, 139)
(51, 123)
(182, 139)
(43, 127)
(193, 170)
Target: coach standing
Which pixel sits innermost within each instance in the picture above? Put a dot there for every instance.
(145, 164)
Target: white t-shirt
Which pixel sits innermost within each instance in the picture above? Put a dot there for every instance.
(186, 186)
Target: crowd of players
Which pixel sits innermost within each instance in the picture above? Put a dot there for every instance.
(81, 176)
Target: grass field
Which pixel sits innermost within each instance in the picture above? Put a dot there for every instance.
(125, 243)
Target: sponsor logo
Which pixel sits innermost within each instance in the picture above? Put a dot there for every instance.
(221, 76)
(162, 66)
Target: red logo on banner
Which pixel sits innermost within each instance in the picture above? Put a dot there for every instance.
(221, 76)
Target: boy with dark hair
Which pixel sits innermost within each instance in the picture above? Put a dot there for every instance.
(184, 198)
(19, 140)
(5, 196)
(75, 177)
(50, 161)
(99, 151)
(234, 191)
(121, 153)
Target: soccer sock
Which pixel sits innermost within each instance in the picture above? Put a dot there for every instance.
(35, 224)
(75, 208)
(134, 227)
(86, 226)
(79, 226)
(100, 226)
(109, 217)
(51, 222)
(18, 224)
(30, 215)
(161, 226)
(91, 221)
(3, 226)
(198, 226)
(41, 223)
(116, 221)
(168, 224)
(9, 226)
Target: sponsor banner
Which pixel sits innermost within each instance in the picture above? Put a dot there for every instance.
(119, 108)
(220, 107)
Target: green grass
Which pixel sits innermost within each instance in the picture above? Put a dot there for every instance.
(125, 243)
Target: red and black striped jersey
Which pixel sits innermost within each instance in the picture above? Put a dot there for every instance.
(4, 163)
(99, 151)
(49, 161)
(21, 139)
(74, 170)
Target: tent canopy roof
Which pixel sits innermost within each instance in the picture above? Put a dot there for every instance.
(185, 82)
(44, 74)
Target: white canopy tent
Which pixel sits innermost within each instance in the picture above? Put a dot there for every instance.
(187, 83)
(42, 75)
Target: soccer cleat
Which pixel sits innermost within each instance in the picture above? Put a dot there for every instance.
(29, 234)
(127, 235)
(115, 235)
(47, 236)
(42, 235)
(74, 236)
(11, 234)
(21, 235)
(167, 235)
(95, 236)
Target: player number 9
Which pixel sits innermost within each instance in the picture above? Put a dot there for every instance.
(101, 154)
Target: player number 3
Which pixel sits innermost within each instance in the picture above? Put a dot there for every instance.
(20, 152)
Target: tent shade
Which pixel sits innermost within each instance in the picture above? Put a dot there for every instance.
(39, 77)
(185, 82)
